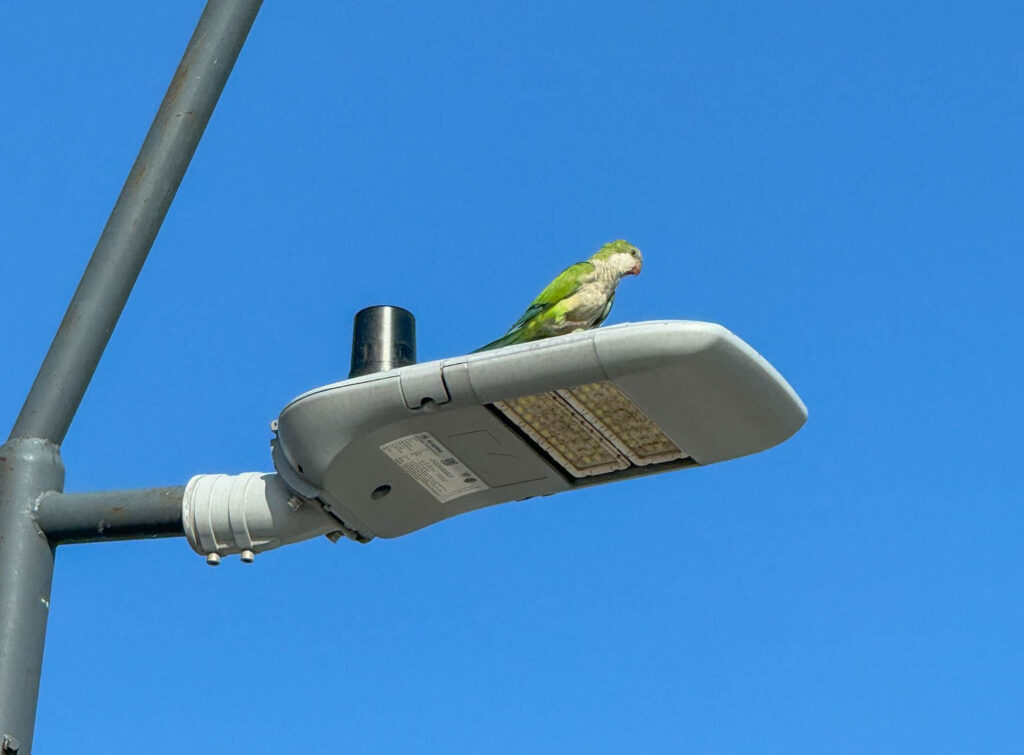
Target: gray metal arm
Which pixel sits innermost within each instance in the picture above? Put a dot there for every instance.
(110, 515)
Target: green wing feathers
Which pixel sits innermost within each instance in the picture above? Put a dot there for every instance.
(561, 288)
(565, 285)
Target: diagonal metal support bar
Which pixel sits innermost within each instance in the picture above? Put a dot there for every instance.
(135, 220)
(30, 463)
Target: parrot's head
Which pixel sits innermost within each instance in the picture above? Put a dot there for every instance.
(621, 256)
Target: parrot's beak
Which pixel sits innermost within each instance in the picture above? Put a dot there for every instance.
(636, 268)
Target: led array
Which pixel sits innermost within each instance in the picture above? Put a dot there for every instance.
(591, 429)
(623, 423)
(564, 433)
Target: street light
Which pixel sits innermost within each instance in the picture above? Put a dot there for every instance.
(390, 452)
(395, 448)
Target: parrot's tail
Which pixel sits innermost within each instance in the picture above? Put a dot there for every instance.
(506, 340)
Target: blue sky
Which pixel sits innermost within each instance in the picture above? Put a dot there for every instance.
(839, 184)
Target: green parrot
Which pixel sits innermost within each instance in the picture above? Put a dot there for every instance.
(579, 298)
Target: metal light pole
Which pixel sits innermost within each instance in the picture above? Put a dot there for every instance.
(30, 463)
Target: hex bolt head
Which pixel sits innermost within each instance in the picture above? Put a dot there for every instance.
(213, 559)
(9, 745)
(247, 556)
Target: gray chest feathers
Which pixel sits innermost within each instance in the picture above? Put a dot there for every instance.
(588, 305)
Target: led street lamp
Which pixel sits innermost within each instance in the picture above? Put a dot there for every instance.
(395, 448)
(390, 452)
(387, 453)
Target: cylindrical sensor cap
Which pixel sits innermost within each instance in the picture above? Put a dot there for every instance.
(383, 338)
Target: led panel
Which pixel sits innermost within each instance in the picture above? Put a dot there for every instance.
(622, 422)
(564, 433)
(591, 429)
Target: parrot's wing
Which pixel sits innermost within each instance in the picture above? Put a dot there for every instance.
(565, 285)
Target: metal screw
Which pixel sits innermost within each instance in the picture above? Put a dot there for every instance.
(10, 745)
(213, 559)
(247, 556)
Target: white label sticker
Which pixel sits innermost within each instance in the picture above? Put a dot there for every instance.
(433, 466)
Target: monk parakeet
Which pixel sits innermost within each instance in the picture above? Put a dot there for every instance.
(578, 299)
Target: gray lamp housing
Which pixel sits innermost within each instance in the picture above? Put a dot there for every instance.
(391, 452)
